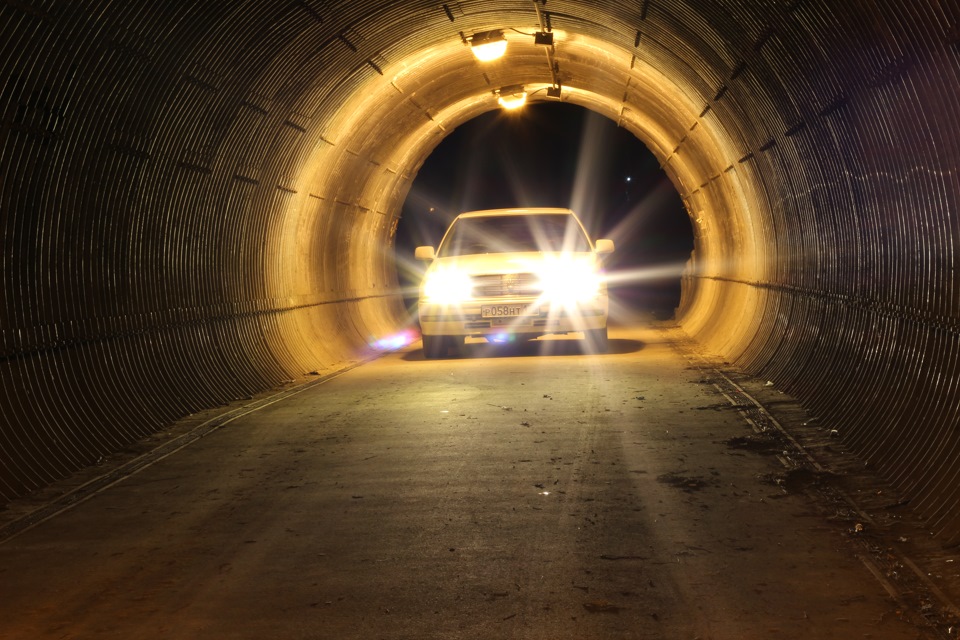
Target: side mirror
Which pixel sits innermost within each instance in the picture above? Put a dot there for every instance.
(604, 246)
(424, 253)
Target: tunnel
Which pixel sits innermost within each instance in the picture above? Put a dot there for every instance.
(199, 200)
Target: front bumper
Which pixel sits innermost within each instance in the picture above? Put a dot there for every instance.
(537, 318)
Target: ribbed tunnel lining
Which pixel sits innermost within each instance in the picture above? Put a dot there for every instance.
(198, 201)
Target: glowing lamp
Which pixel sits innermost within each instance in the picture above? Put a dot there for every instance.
(512, 97)
(488, 45)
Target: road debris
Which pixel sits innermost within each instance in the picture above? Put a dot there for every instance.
(602, 606)
(685, 483)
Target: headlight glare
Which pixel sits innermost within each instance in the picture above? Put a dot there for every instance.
(448, 286)
(567, 281)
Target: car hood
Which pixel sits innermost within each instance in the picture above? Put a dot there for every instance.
(533, 261)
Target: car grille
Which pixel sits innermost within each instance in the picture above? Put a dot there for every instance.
(506, 285)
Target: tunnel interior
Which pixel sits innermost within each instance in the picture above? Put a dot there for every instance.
(554, 154)
(199, 201)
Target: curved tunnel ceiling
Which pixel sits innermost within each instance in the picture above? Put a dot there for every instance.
(199, 201)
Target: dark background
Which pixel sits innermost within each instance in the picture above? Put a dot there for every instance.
(557, 155)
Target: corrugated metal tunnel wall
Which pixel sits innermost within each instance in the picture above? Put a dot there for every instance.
(198, 199)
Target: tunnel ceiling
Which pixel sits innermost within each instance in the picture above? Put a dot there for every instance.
(199, 199)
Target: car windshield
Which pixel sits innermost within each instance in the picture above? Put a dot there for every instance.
(509, 234)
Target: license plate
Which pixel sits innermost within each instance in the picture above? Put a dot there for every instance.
(505, 310)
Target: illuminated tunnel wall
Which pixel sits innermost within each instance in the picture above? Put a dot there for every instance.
(198, 199)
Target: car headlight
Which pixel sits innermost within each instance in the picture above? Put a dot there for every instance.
(447, 286)
(567, 281)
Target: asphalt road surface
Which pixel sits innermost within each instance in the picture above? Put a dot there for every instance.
(508, 494)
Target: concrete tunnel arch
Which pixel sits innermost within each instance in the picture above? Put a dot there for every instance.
(198, 199)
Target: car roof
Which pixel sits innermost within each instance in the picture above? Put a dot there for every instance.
(517, 212)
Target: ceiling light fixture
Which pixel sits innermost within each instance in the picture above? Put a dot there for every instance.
(512, 97)
(543, 38)
(488, 45)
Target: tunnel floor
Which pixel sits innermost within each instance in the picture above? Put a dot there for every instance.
(532, 492)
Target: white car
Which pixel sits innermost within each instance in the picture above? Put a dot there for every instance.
(513, 274)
